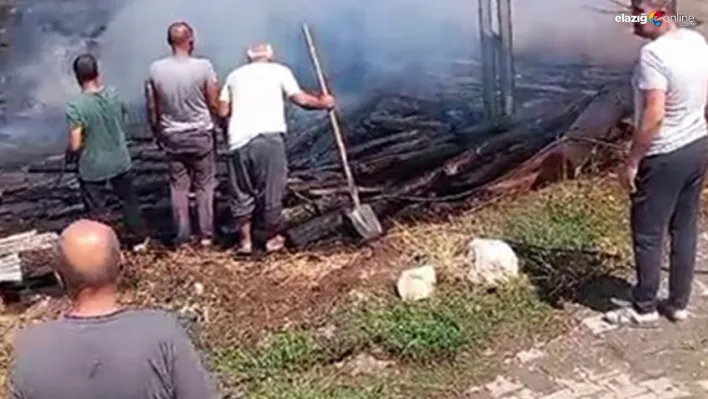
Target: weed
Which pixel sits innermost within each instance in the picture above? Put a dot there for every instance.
(555, 224)
(416, 331)
(576, 216)
(322, 389)
(285, 351)
(445, 325)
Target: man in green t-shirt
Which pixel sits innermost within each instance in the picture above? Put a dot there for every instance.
(96, 136)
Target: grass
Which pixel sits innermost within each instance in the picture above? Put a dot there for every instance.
(564, 235)
(288, 351)
(304, 388)
(576, 216)
(456, 322)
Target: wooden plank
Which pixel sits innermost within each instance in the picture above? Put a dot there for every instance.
(11, 268)
(28, 242)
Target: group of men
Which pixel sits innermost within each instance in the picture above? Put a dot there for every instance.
(185, 105)
(100, 350)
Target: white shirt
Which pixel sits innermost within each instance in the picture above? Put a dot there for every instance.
(256, 92)
(676, 63)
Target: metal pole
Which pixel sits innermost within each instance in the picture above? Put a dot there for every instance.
(506, 57)
(488, 70)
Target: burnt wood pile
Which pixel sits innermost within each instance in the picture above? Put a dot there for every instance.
(411, 144)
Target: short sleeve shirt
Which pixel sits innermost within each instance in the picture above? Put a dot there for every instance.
(676, 64)
(104, 154)
(127, 354)
(180, 83)
(256, 92)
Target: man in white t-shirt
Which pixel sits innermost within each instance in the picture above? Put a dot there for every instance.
(666, 163)
(253, 99)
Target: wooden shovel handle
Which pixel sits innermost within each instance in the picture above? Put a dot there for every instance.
(353, 191)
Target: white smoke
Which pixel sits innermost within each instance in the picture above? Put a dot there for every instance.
(383, 34)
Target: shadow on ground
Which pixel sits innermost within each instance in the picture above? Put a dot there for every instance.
(590, 278)
(602, 293)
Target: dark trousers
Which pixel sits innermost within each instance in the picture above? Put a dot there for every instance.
(192, 172)
(257, 182)
(668, 196)
(95, 198)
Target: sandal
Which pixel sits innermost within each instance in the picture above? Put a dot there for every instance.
(276, 244)
(243, 252)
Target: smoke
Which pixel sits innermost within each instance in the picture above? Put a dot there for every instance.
(375, 34)
(357, 39)
(575, 31)
(357, 36)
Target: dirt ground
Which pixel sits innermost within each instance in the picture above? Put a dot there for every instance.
(259, 296)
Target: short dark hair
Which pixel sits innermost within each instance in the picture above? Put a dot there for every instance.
(178, 33)
(85, 68)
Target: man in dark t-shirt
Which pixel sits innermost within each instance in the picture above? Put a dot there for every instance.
(98, 350)
(95, 121)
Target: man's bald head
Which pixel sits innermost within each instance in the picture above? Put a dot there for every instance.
(260, 52)
(91, 255)
(180, 34)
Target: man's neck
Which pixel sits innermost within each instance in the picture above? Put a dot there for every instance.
(94, 303)
(181, 53)
(92, 86)
(668, 27)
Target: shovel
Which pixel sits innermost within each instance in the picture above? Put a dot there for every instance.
(361, 216)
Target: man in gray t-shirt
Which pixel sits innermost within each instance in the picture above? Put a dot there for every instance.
(182, 95)
(98, 350)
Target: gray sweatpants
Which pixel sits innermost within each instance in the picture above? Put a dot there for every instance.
(668, 197)
(191, 161)
(199, 173)
(258, 175)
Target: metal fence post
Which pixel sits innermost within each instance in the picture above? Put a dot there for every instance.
(497, 58)
(506, 57)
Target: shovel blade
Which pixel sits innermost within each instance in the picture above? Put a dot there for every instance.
(365, 222)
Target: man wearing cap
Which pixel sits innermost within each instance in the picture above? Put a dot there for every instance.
(252, 98)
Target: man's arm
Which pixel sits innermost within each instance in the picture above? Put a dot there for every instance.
(14, 385)
(310, 102)
(152, 106)
(76, 129)
(190, 379)
(225, 99)
(75, 136)
(653, 84)
(649, 126)
(211, 89)
(301, 98)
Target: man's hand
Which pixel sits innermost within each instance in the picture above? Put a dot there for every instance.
(309, 101)
(628, 176)
(327, 101)
(71, 157)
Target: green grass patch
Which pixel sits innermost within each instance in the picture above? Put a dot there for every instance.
(416, 331)
(573, 215)
(324, 388)
(568, 235)
(421, 336)
(280, 352)
(456, 319)
(555, 225)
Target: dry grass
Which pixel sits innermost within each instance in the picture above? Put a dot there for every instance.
(599, 204)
